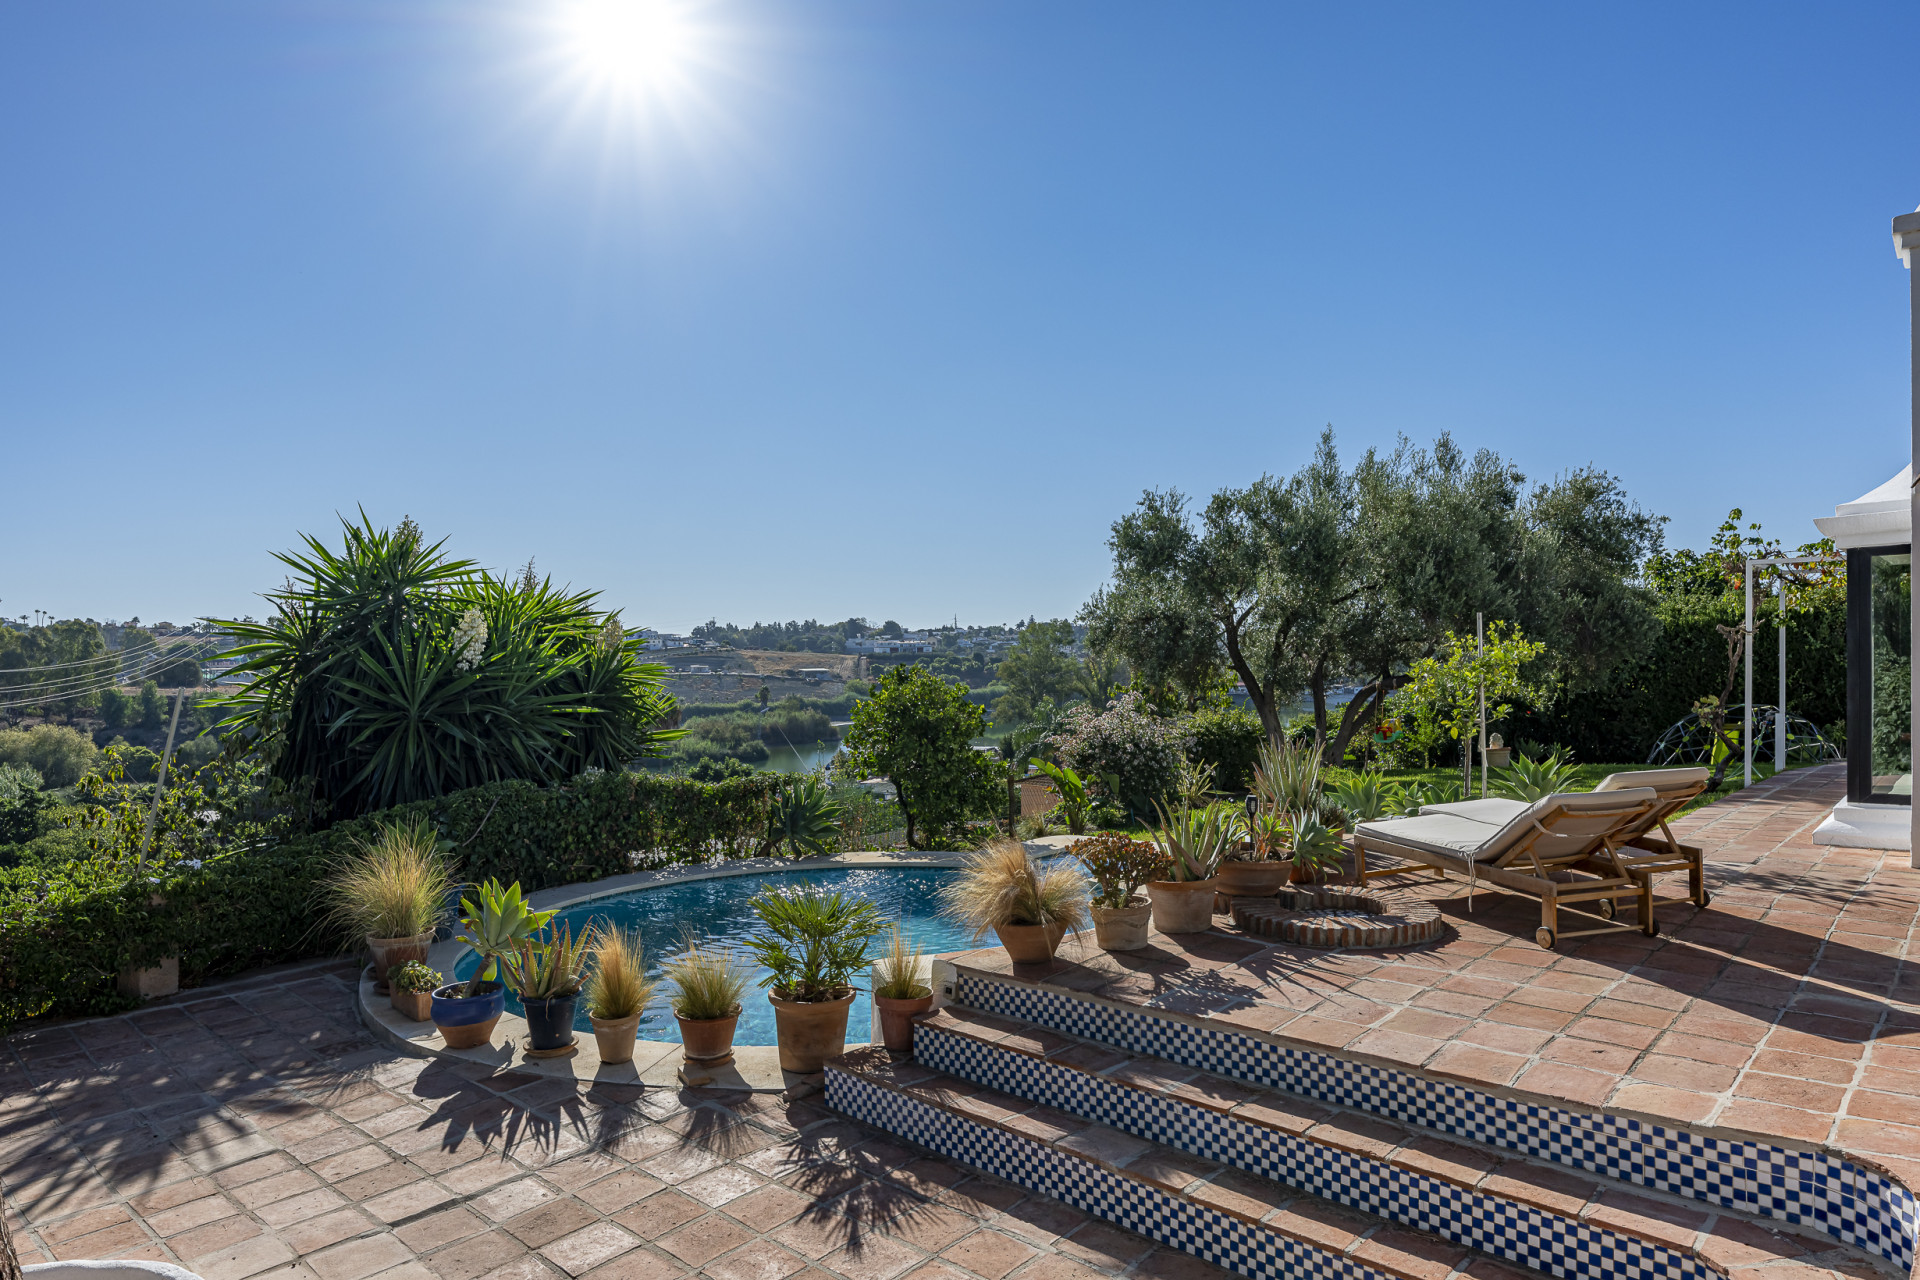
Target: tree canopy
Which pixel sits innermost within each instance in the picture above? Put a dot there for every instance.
(917, 730)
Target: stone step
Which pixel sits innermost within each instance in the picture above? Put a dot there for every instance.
(1821, 1192)
(1507, 1206)
(1245, 1224)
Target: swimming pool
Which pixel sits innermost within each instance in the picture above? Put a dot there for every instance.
(716, 911)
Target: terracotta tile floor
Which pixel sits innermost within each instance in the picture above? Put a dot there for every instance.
(257, 1130)
(1785, 1010)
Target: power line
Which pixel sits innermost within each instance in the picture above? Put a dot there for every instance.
(150, 646)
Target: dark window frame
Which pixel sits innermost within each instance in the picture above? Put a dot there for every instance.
(1860, 673)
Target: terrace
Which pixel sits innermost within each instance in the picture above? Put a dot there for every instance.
(257, 1129)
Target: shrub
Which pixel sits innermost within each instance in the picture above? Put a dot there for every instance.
(1118, 866)
(1228, 738)
(1126, 744)
(61, 756)
(917, 732)
(414, 977)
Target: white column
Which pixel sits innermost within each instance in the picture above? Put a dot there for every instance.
(1906, 239)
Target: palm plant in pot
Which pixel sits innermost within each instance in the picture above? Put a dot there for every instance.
(617, 992)
(1029, 908)
(391, 893)
(413, 984)
(899, 993)
(547, 976)
(814, 943)
(497, 921)
(1119, 867)
(1195, 841)
(708, 983)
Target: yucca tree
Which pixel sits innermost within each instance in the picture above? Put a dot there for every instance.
(391, 672)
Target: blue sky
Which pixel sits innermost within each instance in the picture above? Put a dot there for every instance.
(891, 309)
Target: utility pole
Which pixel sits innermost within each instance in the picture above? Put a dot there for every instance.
(159, 787)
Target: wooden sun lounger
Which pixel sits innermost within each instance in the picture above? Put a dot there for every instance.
(1578, 834)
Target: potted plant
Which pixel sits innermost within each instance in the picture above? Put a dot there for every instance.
(391, 894)
(547, 976)
(1317, 850)
(999, 890)
(1257, 868)
(497, 921)
(1119, 867)
(1195, 841)
(899, 996)
(814, 943)
(412, 986)
(617, 992)
(707, 986)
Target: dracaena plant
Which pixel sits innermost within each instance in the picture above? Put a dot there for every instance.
(497, 920)
(545, 969)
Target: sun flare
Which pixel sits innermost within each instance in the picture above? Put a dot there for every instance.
(635, 47)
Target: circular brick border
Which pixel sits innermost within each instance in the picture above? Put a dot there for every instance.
(1316, 917)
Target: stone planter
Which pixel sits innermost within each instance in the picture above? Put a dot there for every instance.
(1122, 928)
(709, 1041)
(1030, 943)
(114, 1269)
(1253, 879)
(1183, 906)
(467, 1022)
(810, 1031)
(414, 1005)
(896, 1019)
(549, 1021)
(388, 952)
(615, 1036)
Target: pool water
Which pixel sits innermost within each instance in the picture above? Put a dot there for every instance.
(717, 912)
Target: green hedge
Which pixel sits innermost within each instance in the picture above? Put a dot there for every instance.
(65, 931)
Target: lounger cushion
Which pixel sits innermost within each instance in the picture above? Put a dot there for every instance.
(1497, 810)
(1459, 836)
(1664, 781)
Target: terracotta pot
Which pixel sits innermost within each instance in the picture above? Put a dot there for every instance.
(896, 1019)
(810, 1031)
(1122, 928)
(467, 1022)
(709, 1041)
(1182, 906)
(1030, 943)
(388, 952)
(615, 1036)
(416, 1005)
(1253, 879)
(1304, 874)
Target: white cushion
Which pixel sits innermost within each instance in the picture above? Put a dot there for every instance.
(1497, 810)
(1467, 837)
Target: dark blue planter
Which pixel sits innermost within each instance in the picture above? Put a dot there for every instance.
(550, 1021)
(467, 1021)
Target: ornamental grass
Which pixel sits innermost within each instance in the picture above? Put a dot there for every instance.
(1000, 885)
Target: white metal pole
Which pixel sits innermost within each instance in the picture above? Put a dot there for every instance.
(1746, 714)
(160, 783)
(1780, 708)
(1480, 635)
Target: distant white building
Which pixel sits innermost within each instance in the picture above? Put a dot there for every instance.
(663, 639)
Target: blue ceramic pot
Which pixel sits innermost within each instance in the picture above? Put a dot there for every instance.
(550, 1021)
(466, 1022)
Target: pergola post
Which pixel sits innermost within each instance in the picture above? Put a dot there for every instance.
(1906, 239)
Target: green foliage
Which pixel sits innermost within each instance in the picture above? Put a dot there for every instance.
(806, 818)
(1197, 840)
(1531, 780)
(414, 977)
(1447, 690)
(1365, 797)
(392, 886)
(709, 769)
(1316, 846)
(708, 983)
(61, 756)
(815, 940)
(917, 731)
(1228, 738)
(1287, 778)
(1037, 670)
(1135, 755)
(1418, 794)
(547, 968)
(23, 805)
(1075, 802)
(150, 707)
(390, 673)
(1118, 866)
(497, 920)
(77, 654)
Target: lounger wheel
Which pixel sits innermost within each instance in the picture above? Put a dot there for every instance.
(1544, 936)
(1653, 929)
(1706, 899)
(1606, 908)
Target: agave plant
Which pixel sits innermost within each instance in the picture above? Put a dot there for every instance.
(1532, 780)
(497, 921)
(1416, 795)
(1316, 846)
(1197, 840)
(390, 672)
(1366, 797)
(557, 966)
(805, 818)
(1287, 777)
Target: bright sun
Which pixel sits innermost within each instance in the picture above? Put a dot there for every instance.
(638, 47)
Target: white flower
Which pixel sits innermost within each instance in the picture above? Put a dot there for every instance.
(469, 640)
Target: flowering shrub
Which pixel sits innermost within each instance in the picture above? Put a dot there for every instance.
(1126, 753)
(1118, 866)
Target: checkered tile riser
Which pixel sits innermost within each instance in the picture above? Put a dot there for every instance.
(1518, 1233)
(1855, 1206)
(1207, 1234)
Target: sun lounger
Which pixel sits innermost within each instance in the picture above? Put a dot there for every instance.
(1563, 848)
(1650, 848)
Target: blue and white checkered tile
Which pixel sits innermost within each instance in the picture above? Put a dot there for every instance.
(1855, 1206)
(1479, 1221)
